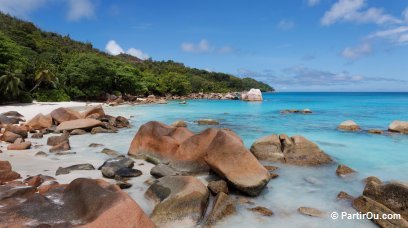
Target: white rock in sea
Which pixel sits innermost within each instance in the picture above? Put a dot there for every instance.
(252, 95)
(349, 125)
(399, 126)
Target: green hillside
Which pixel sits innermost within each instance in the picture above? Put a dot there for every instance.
(49, 67)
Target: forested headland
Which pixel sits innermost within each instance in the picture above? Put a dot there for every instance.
(46, 66)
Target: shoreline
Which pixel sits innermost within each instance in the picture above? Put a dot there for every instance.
(318, 185)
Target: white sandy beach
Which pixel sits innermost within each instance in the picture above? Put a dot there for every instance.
(30, 110)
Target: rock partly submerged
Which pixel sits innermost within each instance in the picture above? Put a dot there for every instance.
(261, 210)
(297, 111)
(384, 199)
(223, 207)
(399, 126)
(349, 125)
(228, 157)
(252, 95)
(309, 211)
(208, 122)
(295, 150)
(343, 170)
(178, 198)
(179, 123)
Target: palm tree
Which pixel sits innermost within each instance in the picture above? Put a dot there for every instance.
(10, 83)
(44, 76)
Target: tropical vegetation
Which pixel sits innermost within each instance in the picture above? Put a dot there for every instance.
(46, 66)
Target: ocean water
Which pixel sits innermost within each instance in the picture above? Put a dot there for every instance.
(384, 156)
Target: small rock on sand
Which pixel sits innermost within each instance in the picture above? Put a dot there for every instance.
(66, 170)
(310, 211)
(261, 210)
(41, 154)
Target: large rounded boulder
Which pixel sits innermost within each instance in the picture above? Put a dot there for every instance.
(268, 148)
(295, 150)
(158, 142)
(94, 111)
(227, 156)
(83, 202)
(178, 198)
(191, 152)
(185, 153)
(40, 122)
(399, 126)
(60, 115)
(20, 130)
(252, 95)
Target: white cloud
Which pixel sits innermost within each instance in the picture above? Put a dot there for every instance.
(405, 14)
(361, 50)
(286, 24)
(20, 8)
(225, 50)
(305, 76)
(137, 53)
(397, 35)
(313, 2)
(354, 11)
(113, 48)
(79, 9)
(204, 47)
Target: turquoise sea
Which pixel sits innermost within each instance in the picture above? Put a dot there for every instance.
(384, 156)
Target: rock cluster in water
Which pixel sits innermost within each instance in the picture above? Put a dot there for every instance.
(251, 95)
(295, 150)
(220, 150)
(396, 126)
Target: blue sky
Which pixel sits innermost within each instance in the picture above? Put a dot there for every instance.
(294, 45)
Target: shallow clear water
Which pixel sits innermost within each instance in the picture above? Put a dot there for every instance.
(384, 156)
